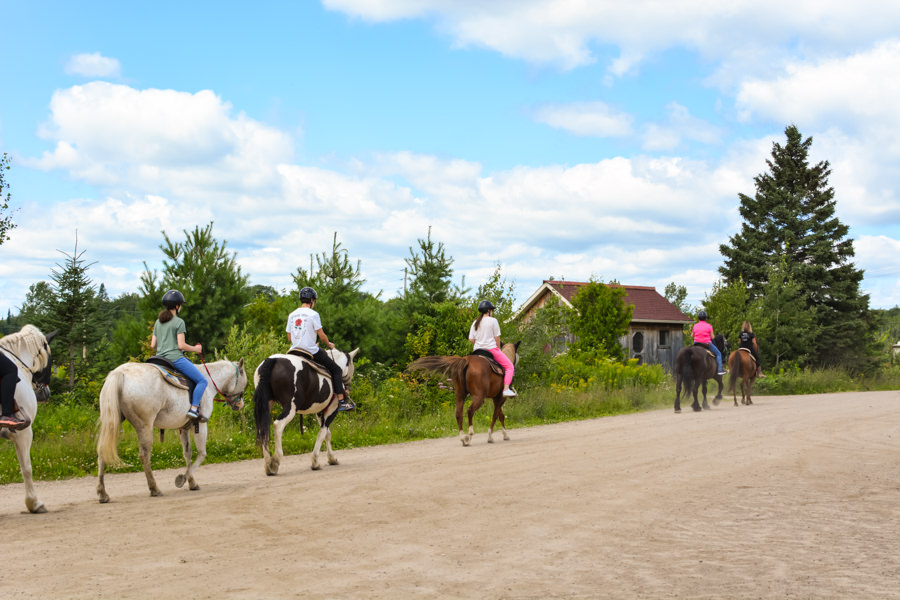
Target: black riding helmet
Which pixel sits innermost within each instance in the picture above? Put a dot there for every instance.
(172, 299)
(484, 306)
(702, 315)
(308, 294)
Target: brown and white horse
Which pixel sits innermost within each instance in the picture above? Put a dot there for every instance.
(295, 384)
(30, 350)
(472, 375)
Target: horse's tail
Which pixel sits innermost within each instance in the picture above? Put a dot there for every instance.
(262, 412)
(110, 418)
(734, 370)
(453, 367)
(686, 369)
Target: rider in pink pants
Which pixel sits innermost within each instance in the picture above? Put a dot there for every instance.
(485, 334)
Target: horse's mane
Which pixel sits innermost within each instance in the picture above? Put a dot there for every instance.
(32, 340)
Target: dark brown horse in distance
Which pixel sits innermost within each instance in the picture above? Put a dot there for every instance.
(472, 375)
(694, 365)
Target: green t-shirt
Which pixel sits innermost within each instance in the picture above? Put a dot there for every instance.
(167, 338)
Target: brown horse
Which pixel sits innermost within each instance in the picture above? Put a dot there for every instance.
(741, 364)
(694, 365)
(473, 375)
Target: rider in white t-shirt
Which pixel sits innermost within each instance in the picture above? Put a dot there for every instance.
(485, 334)
(303, 327)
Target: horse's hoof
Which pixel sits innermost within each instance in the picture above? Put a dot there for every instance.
(333, 461)
(155, 493)
(505, 437)
(315, 466)
(39, 510)
(677, 411)
(179, 481)
(193, 487)
(697, 408)
(490, 439)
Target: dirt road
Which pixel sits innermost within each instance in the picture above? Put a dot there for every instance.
(794, 497)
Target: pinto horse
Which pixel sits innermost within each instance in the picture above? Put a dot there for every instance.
(139, 393)
(472, 375)
(30, 350)
(300, 387)
(741, 364)
(694, 365)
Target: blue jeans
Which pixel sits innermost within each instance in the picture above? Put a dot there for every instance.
(193, 373)
(715, 350)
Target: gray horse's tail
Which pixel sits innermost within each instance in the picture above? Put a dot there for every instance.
(261, 398)
(110, 418)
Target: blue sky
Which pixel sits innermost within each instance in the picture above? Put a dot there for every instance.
(552, 137)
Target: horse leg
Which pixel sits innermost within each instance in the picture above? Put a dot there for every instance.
(332, 459)
(101, 487)
(460, 403)
(320, 439)
(200, 439)
(696, 403)
(145, 445)
(477, 401)
(23, 453)
(678, 393)
(498, 414)
(274, 461)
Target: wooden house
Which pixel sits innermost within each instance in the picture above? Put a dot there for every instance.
(654, 334)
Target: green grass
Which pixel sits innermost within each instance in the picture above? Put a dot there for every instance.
(398, 409)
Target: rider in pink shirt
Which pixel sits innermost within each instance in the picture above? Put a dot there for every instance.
(703, 334)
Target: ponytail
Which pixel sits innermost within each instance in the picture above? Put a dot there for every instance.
(478, 321)
(165, 315)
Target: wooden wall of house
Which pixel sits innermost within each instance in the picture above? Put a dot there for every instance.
(660, 343)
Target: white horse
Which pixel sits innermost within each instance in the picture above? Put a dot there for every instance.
(299, 388)
(139, 393)
(30, 350)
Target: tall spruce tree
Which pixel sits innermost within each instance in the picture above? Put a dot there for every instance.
(790, 223)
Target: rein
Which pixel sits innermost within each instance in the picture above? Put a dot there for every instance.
(219, 392)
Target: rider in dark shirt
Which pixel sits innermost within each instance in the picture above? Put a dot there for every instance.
(748, 341)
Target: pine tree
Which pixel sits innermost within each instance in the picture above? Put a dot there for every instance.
(792, 219)
(6, 222)
(208, 275)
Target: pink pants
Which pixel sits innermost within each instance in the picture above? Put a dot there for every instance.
(507, 365)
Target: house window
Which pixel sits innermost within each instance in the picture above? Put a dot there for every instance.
(637, 343)
(663, 337)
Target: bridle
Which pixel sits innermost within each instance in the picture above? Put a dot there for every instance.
(233, 401)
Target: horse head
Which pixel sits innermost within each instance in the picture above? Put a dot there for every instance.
(345, 361)
(233, 393)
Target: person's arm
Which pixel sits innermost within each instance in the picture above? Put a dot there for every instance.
(324, 338)
(153, 341)
(185, 347)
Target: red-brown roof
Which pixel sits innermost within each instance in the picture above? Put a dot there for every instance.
(648, 304)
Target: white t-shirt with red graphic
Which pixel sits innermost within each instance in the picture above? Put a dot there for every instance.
(303, 324)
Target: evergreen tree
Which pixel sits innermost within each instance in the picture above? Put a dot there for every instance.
(602, 318)
(75, 309)
(208, 275)
(6, 222)
(782, 321)
(791, 218)
(430, 272)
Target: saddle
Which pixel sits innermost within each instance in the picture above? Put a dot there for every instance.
(747, 350)
(495, 366)
(705, 347)
(306, 356)
(171, 374)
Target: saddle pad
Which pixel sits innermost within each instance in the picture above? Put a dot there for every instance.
(172, 378)
(747, 350)
(307, 357)
(705, 347)
(495, 366)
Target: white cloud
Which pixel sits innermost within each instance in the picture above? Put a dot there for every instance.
(679, 125)
(742, 35)
(586, 119)
(93, 65)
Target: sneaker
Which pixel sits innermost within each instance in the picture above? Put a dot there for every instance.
(723, 372)
(346, 404)
(11, 421)
(509, 393)
(194, 413)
